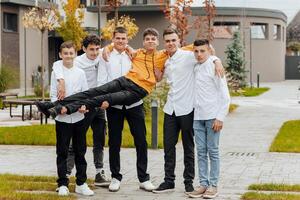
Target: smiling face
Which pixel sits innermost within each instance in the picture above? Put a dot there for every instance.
(67, 55)
(150, 42)
(201, 52)
(92, 51)
(120, 41)
(171, 42)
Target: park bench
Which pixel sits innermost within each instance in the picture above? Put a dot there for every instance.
(23, 103)
(4, 95)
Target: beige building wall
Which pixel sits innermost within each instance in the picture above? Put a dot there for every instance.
(268, 55)
(30, 55)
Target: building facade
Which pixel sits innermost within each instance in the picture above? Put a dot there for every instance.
(263, 33)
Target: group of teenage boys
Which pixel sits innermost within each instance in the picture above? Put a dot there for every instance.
(116, 81)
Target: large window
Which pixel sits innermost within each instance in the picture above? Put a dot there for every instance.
(10, 22)
(276, 32)
(259, 31)
(225, 29)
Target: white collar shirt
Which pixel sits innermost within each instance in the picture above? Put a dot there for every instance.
(212, 97)
(90, 67)
(179, 71)
(75, 81)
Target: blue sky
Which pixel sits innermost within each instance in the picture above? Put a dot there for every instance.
(289, 7)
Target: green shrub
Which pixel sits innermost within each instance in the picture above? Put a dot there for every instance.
(5, 78)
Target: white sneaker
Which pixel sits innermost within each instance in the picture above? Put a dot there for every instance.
(63, 191)
(148, 186)
(114, 185)
(84, 190)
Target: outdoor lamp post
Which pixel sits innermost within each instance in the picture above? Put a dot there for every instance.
(99, 17)
(154, 116)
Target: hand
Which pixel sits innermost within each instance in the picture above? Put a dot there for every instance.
(130, 52)
(104, 105)
(212, 50)
(61, 89)
(63, 110)
(219, 69)
(158, 74)
(217, 125)
(83, 109)
(105, 54)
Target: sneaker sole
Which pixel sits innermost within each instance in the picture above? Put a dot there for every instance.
(195, 196)
(102, 184)
(113, 190)
(209, 197)
(146, 189)
(163, 191)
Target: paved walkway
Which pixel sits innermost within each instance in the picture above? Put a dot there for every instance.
(245, 159)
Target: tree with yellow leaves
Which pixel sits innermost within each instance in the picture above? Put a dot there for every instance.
(124, 21)
(70, 27)
(42, 19)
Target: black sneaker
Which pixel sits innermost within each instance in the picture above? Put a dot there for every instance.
(189, 188)
(53, 112)
(164, 187)
(44, 106)
(101, 179)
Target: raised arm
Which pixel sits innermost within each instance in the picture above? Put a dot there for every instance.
(58, 73)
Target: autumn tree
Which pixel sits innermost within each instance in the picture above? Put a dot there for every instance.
(114, 5)
(124, 21)
(70, 27)
(42, 19)
(180, 13)
(204, 24)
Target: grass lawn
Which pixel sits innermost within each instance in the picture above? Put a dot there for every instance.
(17, 187)
(288, 138)
(272, 196)
(275, 187)
(249, 92)
(45, 134)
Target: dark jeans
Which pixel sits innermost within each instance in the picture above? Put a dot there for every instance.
(95, 119)
(136, 120)
(172, 126)
(64, 133)
(120, 91)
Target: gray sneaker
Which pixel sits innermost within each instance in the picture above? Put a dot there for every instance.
(101, 179)
(210, 193)
(198, 192)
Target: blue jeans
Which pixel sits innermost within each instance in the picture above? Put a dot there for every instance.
(207, 144)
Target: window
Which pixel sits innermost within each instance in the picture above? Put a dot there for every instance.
(283, 33)
(10, 22)
(259, 31)
(225, 29)
(276, 32)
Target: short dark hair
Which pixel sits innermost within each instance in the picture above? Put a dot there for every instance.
(201, 42)
(119, 29)
(169, 31)
(91, 39)
(68, 44)
(150, 31)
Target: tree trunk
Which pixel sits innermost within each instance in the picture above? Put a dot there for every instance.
(116, 15)
(42, 65)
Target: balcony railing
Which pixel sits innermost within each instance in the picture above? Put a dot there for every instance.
(129, 2)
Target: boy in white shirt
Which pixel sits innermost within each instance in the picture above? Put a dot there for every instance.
(70, 126)
(211, 101)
